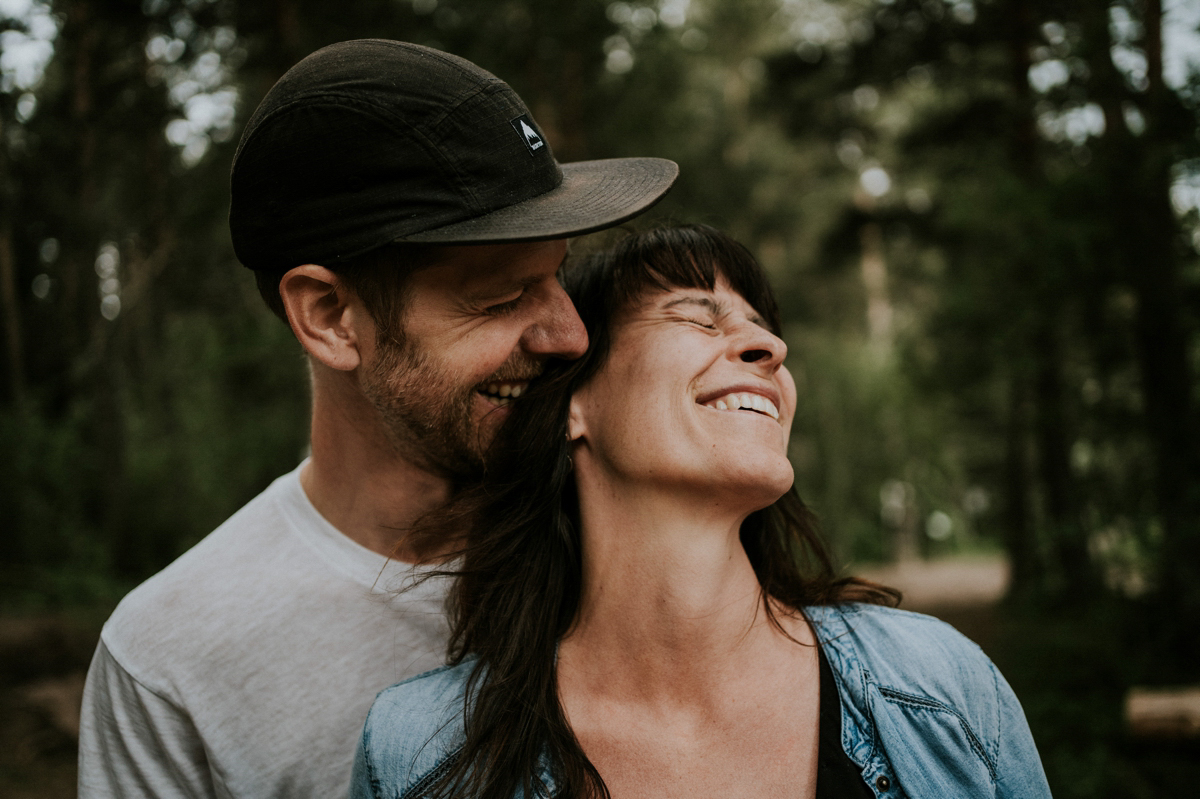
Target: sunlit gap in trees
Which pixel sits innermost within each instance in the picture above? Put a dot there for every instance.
(198, 67)
(1054, 66)
(813, 28)
(24, 54)
(899, 511)
(108, 279)
(109, 287)
(636, 20)
(42, 282)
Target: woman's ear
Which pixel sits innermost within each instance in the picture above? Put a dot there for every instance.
(326, 318)
(576, 429)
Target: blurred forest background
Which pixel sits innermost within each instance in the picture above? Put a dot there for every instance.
(982, 216)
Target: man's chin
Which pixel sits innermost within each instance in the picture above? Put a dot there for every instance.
(453, 452)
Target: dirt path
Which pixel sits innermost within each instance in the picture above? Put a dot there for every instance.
(958, 581)
(962, 591)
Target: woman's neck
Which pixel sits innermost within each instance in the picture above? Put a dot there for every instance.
(670, 607)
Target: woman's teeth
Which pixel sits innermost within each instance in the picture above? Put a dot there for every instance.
(745, 401)
(503, 393)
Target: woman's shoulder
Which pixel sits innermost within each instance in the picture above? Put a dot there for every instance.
(905, 677)
(889, 631)
(423, 693)
(902, 652)
(412, 728)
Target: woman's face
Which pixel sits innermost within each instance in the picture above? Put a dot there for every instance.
(693, 394)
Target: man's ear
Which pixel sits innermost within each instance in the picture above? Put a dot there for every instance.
(327, 319)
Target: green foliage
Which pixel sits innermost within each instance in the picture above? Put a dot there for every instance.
(224, 415)
(997, 349)
(1071, 673)
(47, 464)
(873, 456)
(1049, 294)
(220, 415)
(999, 333)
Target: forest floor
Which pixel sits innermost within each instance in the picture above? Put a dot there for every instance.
(43, 661)
(1068, 674)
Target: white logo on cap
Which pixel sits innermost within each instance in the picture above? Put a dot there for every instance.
(531, 138)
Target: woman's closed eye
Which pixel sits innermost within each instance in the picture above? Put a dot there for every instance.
(705, 312)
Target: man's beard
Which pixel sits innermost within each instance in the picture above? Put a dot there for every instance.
(427, 410)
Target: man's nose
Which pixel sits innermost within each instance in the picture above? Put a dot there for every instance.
(558, 331)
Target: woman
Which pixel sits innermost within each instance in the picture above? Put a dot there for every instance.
(644, 608)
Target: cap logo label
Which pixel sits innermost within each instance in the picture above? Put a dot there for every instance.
(523, 125)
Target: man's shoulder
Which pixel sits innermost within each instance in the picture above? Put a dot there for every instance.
(416, 725)
(173, 609)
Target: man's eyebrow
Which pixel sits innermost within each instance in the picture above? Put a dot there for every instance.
(507, 285)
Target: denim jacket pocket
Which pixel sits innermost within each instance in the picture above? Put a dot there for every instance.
(925, 741)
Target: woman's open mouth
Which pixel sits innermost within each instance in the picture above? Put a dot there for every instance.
(744, 401)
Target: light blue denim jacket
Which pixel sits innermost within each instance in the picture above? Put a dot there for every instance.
(925, 715)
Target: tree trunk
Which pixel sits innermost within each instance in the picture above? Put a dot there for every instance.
(1151, 263)
(1026, 571)
(12, 315)
(1054, 462)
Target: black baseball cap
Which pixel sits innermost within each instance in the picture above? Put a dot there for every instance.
(372, 141)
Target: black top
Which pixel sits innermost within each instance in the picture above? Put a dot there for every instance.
(837, 775)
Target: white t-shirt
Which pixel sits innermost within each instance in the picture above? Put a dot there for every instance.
(247, 666)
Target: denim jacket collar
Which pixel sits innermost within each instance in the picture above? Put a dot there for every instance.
(925, 715)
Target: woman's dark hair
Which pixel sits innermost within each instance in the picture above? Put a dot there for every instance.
(518, 585)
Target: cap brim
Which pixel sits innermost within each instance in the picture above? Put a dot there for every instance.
(593, 195)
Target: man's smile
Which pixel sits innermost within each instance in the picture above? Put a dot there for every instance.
(503, 392)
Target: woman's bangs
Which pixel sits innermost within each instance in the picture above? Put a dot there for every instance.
(692, 257)
(661, 260)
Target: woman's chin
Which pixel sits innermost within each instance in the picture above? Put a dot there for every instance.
(755, 486)
(749, 483)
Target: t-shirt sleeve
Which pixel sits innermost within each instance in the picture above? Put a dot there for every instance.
(134, 742)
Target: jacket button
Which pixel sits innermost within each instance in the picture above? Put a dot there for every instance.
(883, 783)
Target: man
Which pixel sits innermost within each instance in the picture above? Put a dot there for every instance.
(404, 213)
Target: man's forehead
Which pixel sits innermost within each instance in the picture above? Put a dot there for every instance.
(468, 267)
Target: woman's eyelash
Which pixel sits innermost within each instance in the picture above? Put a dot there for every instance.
(705, 325)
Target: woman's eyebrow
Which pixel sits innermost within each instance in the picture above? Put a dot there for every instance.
(707, 303)
(713, 307)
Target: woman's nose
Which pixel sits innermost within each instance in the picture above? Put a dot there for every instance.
(761, 346)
